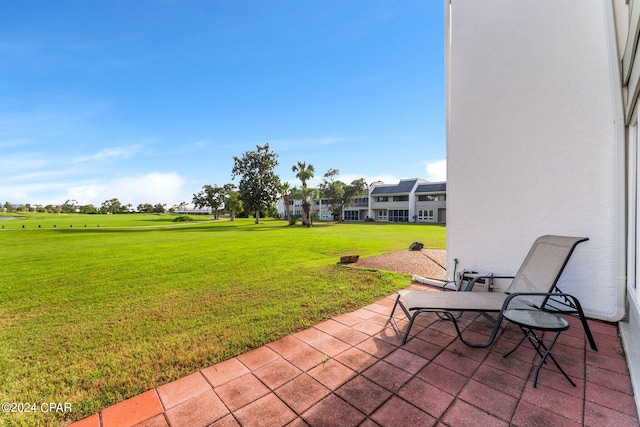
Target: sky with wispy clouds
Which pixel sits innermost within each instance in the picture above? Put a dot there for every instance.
(148, 100)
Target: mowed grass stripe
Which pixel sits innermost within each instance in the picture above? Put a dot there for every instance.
(94, 316)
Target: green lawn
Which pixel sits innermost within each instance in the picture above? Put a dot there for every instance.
(95, 315)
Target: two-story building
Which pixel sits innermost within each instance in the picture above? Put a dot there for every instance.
(410, 200)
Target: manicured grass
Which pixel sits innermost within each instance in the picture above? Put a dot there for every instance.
(93, 316)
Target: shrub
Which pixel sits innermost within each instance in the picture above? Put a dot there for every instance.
(182, 218)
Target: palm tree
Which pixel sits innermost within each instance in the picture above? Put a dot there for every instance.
(285, 189)
(304, 173)
(233, 204)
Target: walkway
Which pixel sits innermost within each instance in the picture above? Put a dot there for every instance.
(352, 371)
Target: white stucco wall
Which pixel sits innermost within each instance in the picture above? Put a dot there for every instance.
(531, 140)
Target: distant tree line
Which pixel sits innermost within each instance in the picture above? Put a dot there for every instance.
(257, 191)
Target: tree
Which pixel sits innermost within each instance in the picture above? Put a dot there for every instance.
(88, 209)
(69, 206)
(338, 194)
(233, 204)
(145, 208)
(259, 185)
(285, 190)
(113, 206)
(212, 196)
(159, 207)
(304, 173)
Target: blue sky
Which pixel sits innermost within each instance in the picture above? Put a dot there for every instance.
(149, 100)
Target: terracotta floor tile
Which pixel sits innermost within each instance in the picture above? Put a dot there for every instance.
(348, 319)
(500, 380)
(426, 397)
(332, 374)
(491, 400)
(552, 378)
(406, 361)
(436, 337)
(611, 363)
(390, 335)
(443, 378)
(241, 391)
(388, 376)
(286, 345)
(183, 389)
(364, 394)
(554, 401)
(461, 349)
(333, 411)
(298, 422)
(356, 359)
(613, 380)
(330, 346)
(227, 421)
(201, 410)
(422, 348)
(376, 347)
(268, 411)
(302, 392)
(306, 358)
(351, 336)
(458, 362)
(132, 411)
(157, 421)
(511, 365)
(620, 402)
(527, 414)
(258, 357)
(464, 414)
(310, 335)
(369, 328)
(598, 416)
(330, 326)
(224, 372)
(383, 309)
(396, 412)
(277, 373)
(364, 314)
(382, 320)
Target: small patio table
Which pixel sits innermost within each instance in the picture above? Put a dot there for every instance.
(530, 320)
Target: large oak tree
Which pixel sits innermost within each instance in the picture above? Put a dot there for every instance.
(259, 185)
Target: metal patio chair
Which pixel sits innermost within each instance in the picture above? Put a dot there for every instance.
(537, 278)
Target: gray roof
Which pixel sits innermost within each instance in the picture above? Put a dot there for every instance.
(436, 187)
(403, 187)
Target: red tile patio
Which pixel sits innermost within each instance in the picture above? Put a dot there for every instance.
(353, 371)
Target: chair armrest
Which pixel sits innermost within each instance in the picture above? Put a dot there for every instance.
(478, 277)
(573, 301)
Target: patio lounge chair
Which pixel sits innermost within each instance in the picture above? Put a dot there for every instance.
(534, 285)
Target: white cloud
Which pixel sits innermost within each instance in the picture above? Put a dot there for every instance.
(437, 170)
(110, 153)
(154, 187)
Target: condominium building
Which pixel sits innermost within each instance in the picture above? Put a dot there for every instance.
(410, 200)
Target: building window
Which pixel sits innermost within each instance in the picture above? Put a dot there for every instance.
(427, 198)
(426, 215)
(351, 215)
(404, 198)
(383, 198)
(398, 215)
(381, 215)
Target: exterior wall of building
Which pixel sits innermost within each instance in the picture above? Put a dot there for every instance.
(532, 141)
